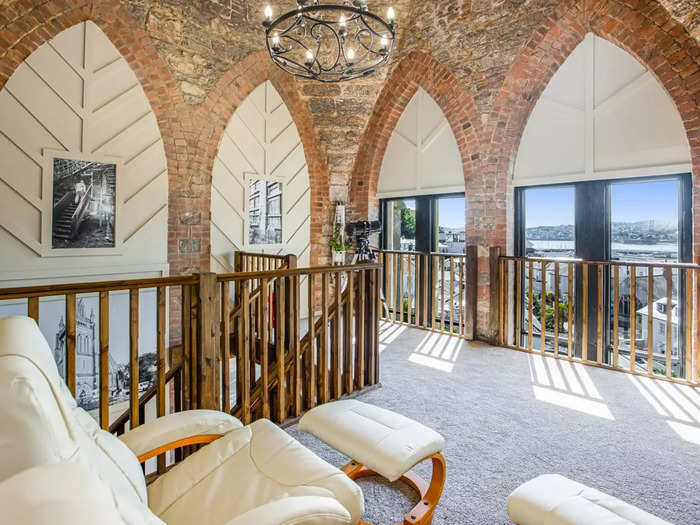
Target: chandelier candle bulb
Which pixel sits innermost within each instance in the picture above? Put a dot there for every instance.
(317, 35)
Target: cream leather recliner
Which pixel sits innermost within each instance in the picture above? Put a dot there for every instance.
(256, 474)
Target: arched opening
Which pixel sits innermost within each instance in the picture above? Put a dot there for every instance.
(260, 195)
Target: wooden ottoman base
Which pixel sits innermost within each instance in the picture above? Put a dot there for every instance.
(422, 513)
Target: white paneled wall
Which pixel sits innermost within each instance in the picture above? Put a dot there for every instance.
(77, 93)
(602, 115)
(422, 156)
(260, 141)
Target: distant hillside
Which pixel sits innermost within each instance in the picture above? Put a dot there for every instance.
(646, 232)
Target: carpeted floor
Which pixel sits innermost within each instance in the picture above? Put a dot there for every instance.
(508, 416)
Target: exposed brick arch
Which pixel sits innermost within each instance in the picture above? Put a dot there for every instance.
(649, 34)
(229, 93)
(418, 69)
(25, 26)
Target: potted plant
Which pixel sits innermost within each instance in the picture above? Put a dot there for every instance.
(337, 245)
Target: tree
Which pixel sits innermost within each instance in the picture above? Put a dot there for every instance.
(408, 224)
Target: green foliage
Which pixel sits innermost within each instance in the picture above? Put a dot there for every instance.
(337, 244)
(563, 306)
(408, 224)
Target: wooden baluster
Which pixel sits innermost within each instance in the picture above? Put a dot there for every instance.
(243, 362)
(669, 326)
(689, 276)
(584, 314)
(501, 292)
(348, 323)
(323, 354)
(442, 293)
(530, 297)
(160, 358)
(599, 325)
(70, 342)
(426, 285)
(518, 303)
(280, 348)
(337, 387)
(362, 309)
(616, 315)
(398, 303)
(633, 317)
(556, 309)
(386, 260)
(401, 287)
(543, 308)
(452, 294)
(410, 289)
(226, 346)
(433, 292)
(311, 361)
(193, 345)
(373, 372)
(650, 322)
(134, 354)
(33, 308)
(104, 360)
(461, 297)
(264, 313)
(570, 313)
(297, 346)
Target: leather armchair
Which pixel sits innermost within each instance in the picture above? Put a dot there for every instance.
(254, 474)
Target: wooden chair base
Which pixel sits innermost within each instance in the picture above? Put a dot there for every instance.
(422, 513)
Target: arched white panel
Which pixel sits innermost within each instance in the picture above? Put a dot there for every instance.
(77, 93)
(260, 141)
(422, 156)
(602, 115)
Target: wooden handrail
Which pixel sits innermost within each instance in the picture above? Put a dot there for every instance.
(616, 262)
(94, 287)
(293, 272)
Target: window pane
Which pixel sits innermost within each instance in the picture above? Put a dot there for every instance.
(450, 224)
(644, 220)
(549, 222)
(644, 227)
(401, 225)
(549, 215)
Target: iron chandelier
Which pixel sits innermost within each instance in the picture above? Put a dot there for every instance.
(330, 42)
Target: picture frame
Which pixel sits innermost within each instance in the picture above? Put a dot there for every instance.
(277, 243)
(82, 203)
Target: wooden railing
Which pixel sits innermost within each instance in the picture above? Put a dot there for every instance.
(283, 368)
(631, 316)
(275, 366)
(262, 262)
(435, 290)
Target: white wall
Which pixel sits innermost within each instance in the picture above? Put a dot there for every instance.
(422, 156)
(602, 115)
(77, 93)
(262, 141)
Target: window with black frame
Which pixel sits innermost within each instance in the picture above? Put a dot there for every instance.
(639, 228)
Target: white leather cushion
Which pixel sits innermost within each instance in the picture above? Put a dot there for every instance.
(173, 427)
(383, 441)
(301, 510)
(552, 499)
(57, 493)
(247, 468)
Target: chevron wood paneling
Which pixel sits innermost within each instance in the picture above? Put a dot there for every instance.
(77, 93)
(260, 140)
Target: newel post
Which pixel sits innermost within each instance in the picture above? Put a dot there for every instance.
(494, 291)
(470, 294)
(207, 351)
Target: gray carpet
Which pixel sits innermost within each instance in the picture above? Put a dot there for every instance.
(508, 416)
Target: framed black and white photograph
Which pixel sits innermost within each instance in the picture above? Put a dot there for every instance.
(264, 212)
(84, 204)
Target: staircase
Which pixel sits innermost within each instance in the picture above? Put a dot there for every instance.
(62, 224)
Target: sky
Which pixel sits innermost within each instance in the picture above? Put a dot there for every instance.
(451, 212)
(630, 202)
